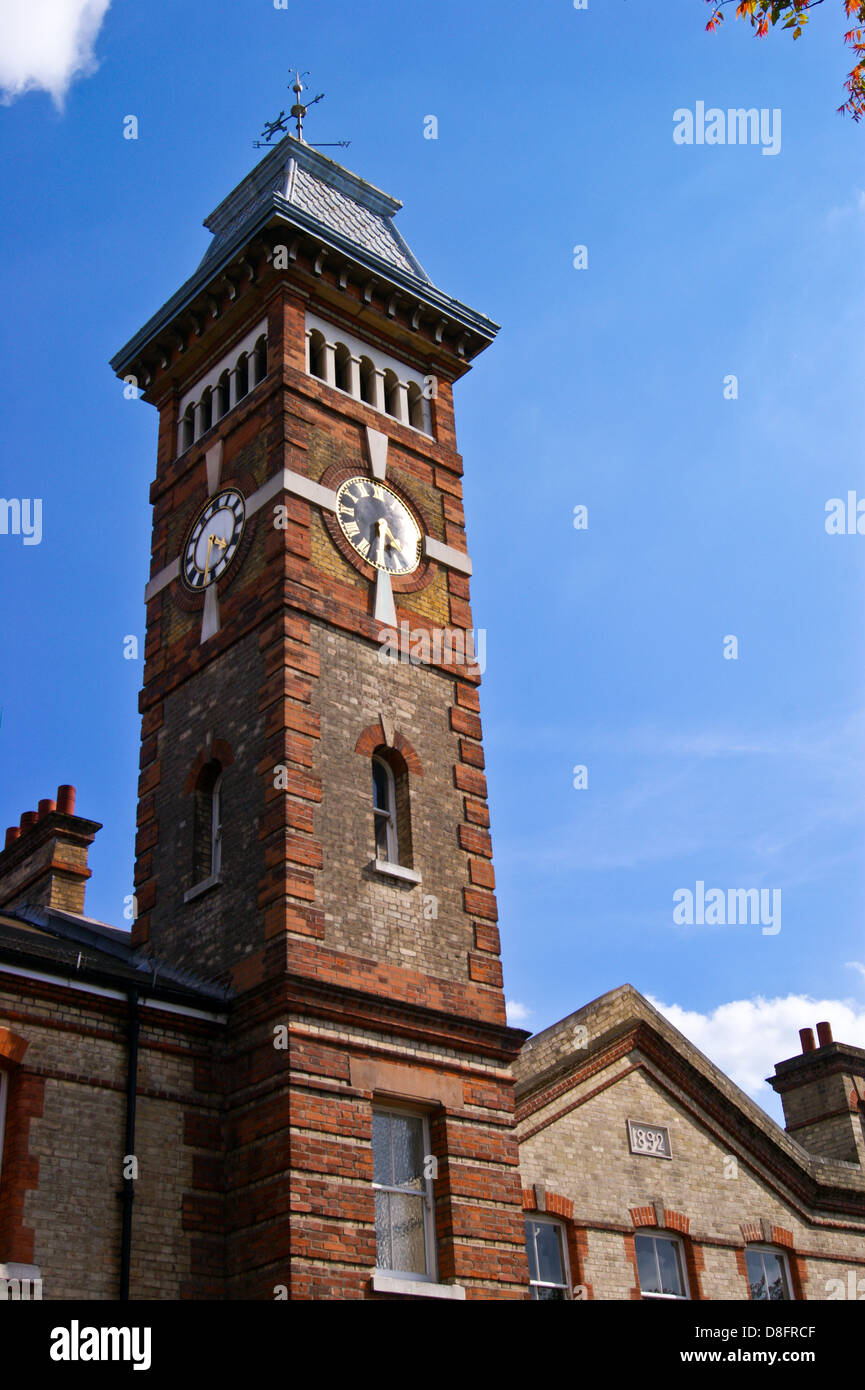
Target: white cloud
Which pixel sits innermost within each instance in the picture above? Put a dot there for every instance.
(746, 1037)
(47, 43)
(517, 1013)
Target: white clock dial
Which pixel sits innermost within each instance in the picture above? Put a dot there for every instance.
(212, 543)
(378, 525)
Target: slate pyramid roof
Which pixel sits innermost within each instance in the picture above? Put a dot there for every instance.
(328, 197)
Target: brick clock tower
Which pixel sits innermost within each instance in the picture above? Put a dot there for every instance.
(313, 825)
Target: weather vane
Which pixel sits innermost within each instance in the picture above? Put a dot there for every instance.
(297, 114)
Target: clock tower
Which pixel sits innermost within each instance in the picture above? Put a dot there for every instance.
(313, 828)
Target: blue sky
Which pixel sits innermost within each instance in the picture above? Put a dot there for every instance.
(605, 388)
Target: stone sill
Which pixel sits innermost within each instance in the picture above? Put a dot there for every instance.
(382, 866)
(203, 887)
(416, 1288)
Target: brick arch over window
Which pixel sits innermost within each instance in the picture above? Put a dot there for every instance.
(761, 1231)
(538, 1198)
(374, 738)
(677, 1223)
(219, 752)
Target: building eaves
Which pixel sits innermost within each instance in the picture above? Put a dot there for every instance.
(276, 207)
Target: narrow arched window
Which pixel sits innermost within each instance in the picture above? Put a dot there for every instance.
(260, 360)
(223, 395)
(367, 380)
(187, 428)
(391, 807)
(316, 354)
(415, 406)
(207, 829)
(342, 367)
(242, 375)
(206, 409)
(391, 393)
(384, 811)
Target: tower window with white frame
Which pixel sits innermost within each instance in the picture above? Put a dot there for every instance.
(546, 1247)
(402, 1183)
(384, 811)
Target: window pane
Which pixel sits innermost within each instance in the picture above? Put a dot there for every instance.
(756, 1276)
(774, 1267)
(670, 1266)
(407, 1232)
(548, 1244)
(379, 788)
(558, 1295)
(407, 1139)
(383, 1251)
(646, 1266)
(382, 1166)
(381, 845)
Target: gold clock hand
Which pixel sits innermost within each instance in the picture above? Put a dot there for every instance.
(207, 559)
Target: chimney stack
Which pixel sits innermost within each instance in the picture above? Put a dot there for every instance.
(44, 860)
(823, 1094)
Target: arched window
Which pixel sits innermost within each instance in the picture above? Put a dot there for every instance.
(259, 360)
(367, 380)
(391, 393)
(206, 409)
(223, 395)
(384, 811)
(187, 428)
(316, 354)
(391, 807)
(342, 367)
(415, 406)
(207, 827)
(242, 375)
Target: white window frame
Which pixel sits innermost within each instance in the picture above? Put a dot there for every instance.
(431, 1276)
(4, 1092)
(216, 828)
(388, 815)
(683, 1266)
(538, 1218)
(761, 1248)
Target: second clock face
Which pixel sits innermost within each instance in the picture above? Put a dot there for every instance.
(378, 525)
(213, 540)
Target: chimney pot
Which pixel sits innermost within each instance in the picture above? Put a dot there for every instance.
(46, 805)
(28, 818)
(806, 1037)
(12, 835)
(824, 1034)
(66, 800)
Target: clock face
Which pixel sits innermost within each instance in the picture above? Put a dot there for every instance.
(213, 540)
(378, 525)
